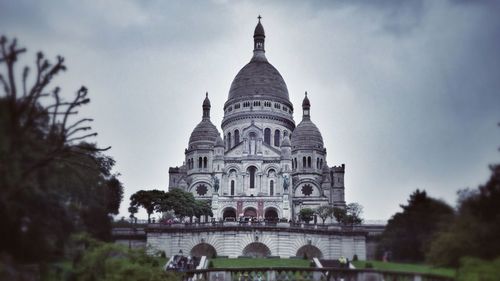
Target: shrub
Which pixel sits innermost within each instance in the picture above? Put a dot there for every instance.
(368, 265)
(478, 269)
(355, 258)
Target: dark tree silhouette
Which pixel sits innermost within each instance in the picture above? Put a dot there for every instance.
(408, 233)
(53, 182)
(474, 231)
(147, 199)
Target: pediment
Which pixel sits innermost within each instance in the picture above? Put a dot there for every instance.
(236, 151)
(267, 151)
(252, 128)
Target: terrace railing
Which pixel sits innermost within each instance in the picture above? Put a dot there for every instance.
(305, 274)
(253, 225)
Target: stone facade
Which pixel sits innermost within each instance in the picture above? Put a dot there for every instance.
(264, 166)
(233, 242)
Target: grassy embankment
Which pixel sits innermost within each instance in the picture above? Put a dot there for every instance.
(407, 267)
(391, 266)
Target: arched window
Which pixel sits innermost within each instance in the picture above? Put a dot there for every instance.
(232, 188)
(236, 137)
(271, 188)
(277, 138)
(251, 171)
(200, 162)
(232, 172)
(252, 143)
(229, 141)
(304, 162)
(321, 164)
(295, 163)
(267, 136)
(317, 163)
(309, 162)
(205, 161)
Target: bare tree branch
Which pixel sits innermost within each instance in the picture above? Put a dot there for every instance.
(78, 130)
(78, 123)
(82, 137)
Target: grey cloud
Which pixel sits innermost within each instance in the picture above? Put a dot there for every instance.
(404, 92)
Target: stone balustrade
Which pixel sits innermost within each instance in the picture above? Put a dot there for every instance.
(306, 274)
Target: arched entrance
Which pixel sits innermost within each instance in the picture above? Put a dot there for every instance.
(256, 250)
(250, 212)
(309, 251)
(204, 249)
(271, 215)
(251, 174)
(229, 213)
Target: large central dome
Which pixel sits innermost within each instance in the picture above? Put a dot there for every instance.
(258, 79)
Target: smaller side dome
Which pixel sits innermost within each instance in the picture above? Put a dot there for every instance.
(306, 135)
(205, 133)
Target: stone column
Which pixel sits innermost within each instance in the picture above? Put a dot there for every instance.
(243, 184)
(215, 205)
(260, 183)
(245, 146)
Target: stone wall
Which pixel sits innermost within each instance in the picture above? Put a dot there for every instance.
(235, 241)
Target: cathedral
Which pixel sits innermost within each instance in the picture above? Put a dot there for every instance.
(263, 166)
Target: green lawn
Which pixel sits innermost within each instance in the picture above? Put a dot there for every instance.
(406, 267)
(258, 262)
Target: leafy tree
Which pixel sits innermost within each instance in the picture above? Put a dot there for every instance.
(324, 212)
(181, 202)
(474, 231)
(339, 214)
(306, 214)
(147, 199)
(350, 215)
(132, 210)
(408, 233)
(107, 262)
(53, 181)
(203, 208)
(477, 269)
(353, 214)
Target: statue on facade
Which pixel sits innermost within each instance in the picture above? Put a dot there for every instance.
(216, 183)
(286, 182)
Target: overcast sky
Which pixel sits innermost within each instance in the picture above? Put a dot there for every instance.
(405, 93)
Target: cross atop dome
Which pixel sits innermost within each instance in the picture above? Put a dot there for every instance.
(206, 107)
(259, 36)
(306, 106)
